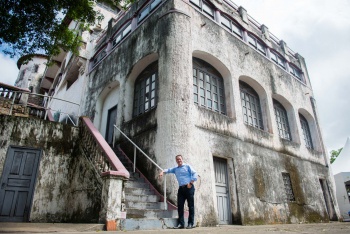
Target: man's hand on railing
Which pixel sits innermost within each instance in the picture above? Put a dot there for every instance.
(161, 174)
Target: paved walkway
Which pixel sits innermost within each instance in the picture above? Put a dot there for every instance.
(331, 228)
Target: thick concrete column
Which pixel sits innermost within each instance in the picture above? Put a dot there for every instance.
(112, 201)
(175, 87)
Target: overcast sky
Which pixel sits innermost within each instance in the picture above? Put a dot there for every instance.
(319, 30)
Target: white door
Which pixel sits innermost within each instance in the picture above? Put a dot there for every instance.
(222, 191)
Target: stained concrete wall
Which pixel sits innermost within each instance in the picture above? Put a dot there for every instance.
(67, 189)
(174, 34)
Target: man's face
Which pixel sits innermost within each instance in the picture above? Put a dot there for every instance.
(179, 161)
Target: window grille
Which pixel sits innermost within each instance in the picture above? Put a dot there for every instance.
(282, 121)
(251, 106)
(145, 96)
(208, 87)
(288, 187)
(306, 132)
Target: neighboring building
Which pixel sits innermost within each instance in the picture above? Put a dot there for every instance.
(30, 76)
(341, 171)
(203, 79)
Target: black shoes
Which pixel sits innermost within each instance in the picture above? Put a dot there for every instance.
(179, 227)
(190, 226)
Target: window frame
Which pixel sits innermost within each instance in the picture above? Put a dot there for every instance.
(208, 88)
(257, 44)
(306, 132)
(99, 56)
(199, 4)
(232, 24)
(253, 107)
(147, 78)
(296, 72)
(288, 187)
(278, 59)
(282, 121)
(148, 9)
(121, 34)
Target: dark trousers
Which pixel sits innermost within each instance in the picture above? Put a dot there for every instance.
(184, 194)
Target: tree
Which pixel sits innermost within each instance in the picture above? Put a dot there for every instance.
(335, 154)
(41, 26)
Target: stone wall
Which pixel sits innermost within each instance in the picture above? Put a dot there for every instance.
(67, 189)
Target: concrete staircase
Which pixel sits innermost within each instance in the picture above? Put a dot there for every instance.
(143, 204)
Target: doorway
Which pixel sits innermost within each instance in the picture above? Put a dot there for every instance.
(222, 191)
(17, 183)
(111, 119)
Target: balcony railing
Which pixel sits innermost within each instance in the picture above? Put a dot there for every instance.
(16, 101)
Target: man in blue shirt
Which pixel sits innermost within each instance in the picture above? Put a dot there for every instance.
(185, 176)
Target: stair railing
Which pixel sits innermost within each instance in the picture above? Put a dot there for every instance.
(99, 152)
(153, 162)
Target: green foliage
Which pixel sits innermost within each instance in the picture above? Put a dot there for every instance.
(41, 26)
(335, 154)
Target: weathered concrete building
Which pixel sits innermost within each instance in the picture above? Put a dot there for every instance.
(203, 79)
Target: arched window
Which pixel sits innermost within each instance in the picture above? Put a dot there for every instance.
(306, 131)
(208, 87)
(145, 92)
(251, 106)
(282, 121)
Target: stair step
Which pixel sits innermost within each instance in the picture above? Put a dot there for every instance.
(147, 224)
(150, 213)
(139, 191)
(136, 184)
(142, 198)
(144, 205)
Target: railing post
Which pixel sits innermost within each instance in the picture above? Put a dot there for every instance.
(165, 204)
(134, 159)
(13, 102)
(47, 107)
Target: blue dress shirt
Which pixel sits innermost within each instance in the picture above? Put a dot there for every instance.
(184, 174)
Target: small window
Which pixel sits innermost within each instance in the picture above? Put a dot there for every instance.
(257, 44)
(148, 9)
(282, 121)
(296, 72)
(306, 132)
(120, 35)
(279, 60)
(205, 7)
(232, 26)
(36, 68)
(251, 106)
(97, 58)
(288, 187)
